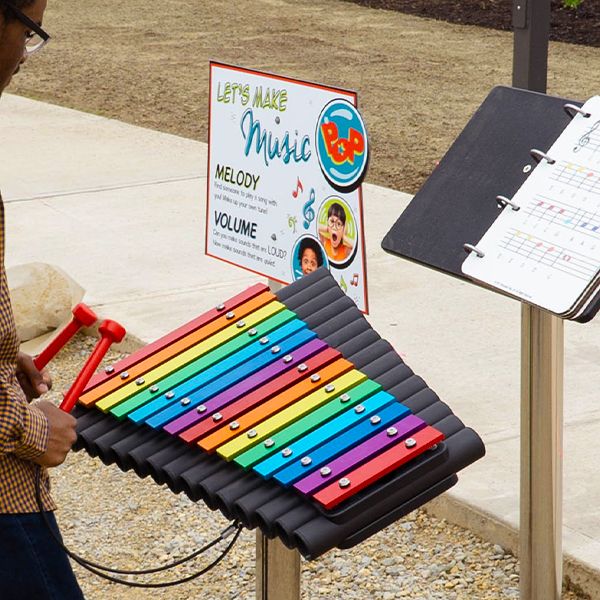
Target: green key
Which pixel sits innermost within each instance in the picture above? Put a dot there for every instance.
(311, 421)
(202, 363)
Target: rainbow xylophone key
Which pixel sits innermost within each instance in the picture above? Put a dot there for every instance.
(253, 384)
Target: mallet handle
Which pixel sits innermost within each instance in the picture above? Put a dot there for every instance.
(83, 316)
(110, 332)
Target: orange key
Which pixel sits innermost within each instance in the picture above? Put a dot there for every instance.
(275, 404)
(90, 398)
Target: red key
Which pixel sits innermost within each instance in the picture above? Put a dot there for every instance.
(378, 467)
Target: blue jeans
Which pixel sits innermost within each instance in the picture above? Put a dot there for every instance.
(32, 565)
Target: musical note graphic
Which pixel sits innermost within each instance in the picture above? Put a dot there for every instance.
(292, 223)
(354, 280)
(545, 211)
(307, 210)
(298, 189)
(585, 139)
(576, 176)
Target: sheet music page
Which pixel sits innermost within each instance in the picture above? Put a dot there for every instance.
(548, 251)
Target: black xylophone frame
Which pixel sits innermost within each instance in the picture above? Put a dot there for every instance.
(297, 521)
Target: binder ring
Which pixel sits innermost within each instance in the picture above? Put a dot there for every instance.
(539, 155)
(504, 201)
(470, 248)
(572, 109)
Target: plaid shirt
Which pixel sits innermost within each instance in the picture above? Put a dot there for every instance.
(23, 428)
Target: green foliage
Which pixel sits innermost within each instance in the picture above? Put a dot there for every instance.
(574, 4)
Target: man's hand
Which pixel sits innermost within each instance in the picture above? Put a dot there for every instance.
(33, 382)
(61, 437)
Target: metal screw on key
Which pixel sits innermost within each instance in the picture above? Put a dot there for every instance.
(111, 332)
(83, 316)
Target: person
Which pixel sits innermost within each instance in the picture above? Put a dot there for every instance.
(311, 255)
(33, 436)
(332, 237)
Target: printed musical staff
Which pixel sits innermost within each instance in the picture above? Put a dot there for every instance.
(547, 211)
(543, 252)
(577, 176)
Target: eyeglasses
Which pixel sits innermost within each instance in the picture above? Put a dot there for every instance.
(334, 223)
(37, 38)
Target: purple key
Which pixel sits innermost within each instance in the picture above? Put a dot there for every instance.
(358, 455)
(245, 387)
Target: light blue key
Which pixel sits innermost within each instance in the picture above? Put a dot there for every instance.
(233, 376)
(342, 443)
(175, 394)
(203, 362)
(301, 447)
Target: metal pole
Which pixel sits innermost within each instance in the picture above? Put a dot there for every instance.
(542, 364)
(531, 22)
(277, 570)
(541, 454)
(277, 567)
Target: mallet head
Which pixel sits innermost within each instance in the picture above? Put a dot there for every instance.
(84, 315)
(112, 330)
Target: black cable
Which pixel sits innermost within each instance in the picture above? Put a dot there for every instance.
(96, 568)
(164, 584)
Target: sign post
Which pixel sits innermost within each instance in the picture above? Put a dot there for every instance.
(286, 161)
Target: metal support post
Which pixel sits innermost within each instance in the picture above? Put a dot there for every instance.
(277, 570)
(542, 348)
(531, 22)
(277, 567)
(542, 343)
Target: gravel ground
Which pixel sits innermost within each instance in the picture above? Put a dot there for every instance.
(117, 519)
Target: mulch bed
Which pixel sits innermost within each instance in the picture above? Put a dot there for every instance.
(578, 26)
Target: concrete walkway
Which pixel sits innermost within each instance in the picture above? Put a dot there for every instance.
(122, 210)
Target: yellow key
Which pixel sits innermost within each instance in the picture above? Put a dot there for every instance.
(290, 414)
(177, 362)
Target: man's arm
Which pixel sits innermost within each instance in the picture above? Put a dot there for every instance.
(24, 429)
(40, 432)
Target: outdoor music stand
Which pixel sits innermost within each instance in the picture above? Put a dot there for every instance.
(457, 205)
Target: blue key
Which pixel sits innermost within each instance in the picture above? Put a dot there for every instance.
(205, 377)
(233, 376)
(320, 436)
(341, 444)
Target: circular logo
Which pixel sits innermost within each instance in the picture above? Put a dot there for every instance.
(342, 147)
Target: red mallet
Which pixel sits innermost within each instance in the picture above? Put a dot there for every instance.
(83, 316)
(111, 332)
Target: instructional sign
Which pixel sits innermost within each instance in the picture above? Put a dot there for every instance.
(286, 160)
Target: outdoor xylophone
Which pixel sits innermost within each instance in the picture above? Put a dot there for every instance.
(285, 411)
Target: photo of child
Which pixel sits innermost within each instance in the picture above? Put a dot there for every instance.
(308, 255)
(311, 256)
(333, 235)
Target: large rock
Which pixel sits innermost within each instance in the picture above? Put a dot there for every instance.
(42, 297)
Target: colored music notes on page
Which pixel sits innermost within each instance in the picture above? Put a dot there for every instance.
(547, 252)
